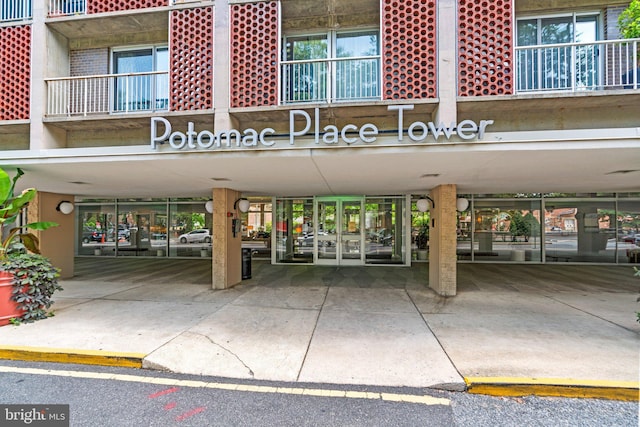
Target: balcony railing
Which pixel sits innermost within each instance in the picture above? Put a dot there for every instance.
(341, 79)
(15, 10)
(105, 94)
(67, 7)
(611, 64)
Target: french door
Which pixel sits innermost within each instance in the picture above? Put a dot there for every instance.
(338, 232)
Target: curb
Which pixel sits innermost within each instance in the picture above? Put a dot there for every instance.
(64, 355)
(558, 387)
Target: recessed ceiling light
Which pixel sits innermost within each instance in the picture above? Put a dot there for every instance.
(220, 179)
(430, 175)
(622, 171)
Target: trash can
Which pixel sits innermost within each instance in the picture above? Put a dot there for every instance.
(246, 263)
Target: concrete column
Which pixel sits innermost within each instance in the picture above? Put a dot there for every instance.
(221, 65)
(56, 243)
(443, 241)
(447, 61)
(227, 249)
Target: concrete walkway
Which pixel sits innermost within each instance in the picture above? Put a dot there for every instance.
(551, 327)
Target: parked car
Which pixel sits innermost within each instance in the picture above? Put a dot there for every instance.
(200, 235)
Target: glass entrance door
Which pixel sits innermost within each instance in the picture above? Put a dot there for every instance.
(338, 233)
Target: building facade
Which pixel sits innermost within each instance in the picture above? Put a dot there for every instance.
(362, 132)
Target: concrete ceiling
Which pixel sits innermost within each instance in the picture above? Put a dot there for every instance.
(374, 170)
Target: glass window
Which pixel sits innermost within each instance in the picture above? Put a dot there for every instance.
(142, 90)
(97, 225)
(189, 233)
(142, 229)
(505, 230)
(384, 230)
(558, 67)
(628, 231)
(420, 222)
(256, 228)
(294, 230)
(336, 65)
(580, 231)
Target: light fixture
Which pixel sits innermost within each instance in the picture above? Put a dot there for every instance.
(423, 203)
(208, 206)
(65, 207)
(462, 204)
(242, 204)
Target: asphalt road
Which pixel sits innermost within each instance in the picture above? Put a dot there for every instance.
(101, 396)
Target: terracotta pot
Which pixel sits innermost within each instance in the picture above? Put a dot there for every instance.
(8, 308)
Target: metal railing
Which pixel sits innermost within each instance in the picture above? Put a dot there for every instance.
(67, 7)
(15, 10)
(340, 79)
(104, 94)
(611, 64)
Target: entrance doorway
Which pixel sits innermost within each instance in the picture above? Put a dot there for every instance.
(338, 235)
(342, 230)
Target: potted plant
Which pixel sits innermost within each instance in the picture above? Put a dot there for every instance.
(422, 241)
(27, 279)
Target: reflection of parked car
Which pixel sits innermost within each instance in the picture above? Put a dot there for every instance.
(123, 232)
(307, 239)
(90, 235)
(382, 236)
(195, 236)
(632, 238)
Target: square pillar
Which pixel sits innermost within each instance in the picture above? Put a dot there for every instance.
(227, 250)
(443, 241)
(56, 243)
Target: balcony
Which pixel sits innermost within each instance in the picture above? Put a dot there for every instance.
(67, 7)
(108, 94)
(15, 10)
(571, 67)
(331, 80)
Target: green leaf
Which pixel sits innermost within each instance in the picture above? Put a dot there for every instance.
(5, 187)
(41, 225)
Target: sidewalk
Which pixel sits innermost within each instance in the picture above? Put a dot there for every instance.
(512, 329)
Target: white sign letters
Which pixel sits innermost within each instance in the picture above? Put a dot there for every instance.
(303, 126)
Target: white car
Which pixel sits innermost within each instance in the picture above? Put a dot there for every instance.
(200, 235)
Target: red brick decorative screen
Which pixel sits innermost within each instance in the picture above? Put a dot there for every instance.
(15, 72)
(485, 43)
(254, 54)
(409, 49)
(101, 6)
(191, 59)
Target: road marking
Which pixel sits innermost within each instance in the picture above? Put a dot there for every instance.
(190, 414)
(163, 392)
(349, 394)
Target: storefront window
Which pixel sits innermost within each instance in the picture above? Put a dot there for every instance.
(419, 233)
(505, 230)
(580, 231)
(628, 231)
(189, 232)
(384, 230)
(97, 224)
(294, 230)
(257, 225)
(142, 229)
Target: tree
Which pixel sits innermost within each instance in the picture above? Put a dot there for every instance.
(519, 226)
(629, 21)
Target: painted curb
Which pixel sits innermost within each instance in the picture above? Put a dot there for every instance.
(65, 355)
(559, 387)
